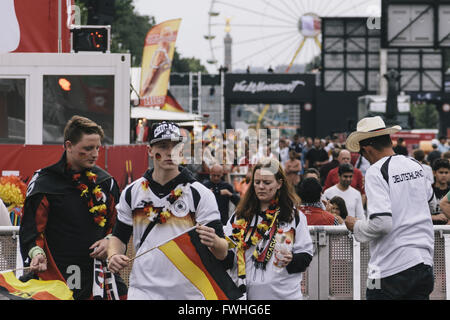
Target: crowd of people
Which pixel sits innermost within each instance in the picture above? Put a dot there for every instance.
(251, 216)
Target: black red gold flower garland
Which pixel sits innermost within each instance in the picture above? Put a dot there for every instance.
(263, 233)
(160, 214)
(96, 199)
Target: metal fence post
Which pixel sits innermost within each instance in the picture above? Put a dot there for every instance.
(447, 265)
(356, 269)
(324, 265)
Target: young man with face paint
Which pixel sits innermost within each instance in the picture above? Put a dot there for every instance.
(62, 229)
(164, 203)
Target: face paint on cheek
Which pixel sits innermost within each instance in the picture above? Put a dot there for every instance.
(158, 156)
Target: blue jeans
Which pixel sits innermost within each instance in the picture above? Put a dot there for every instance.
(415, 283)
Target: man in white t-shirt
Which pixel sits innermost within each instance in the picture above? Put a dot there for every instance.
(343, 189)
(166, 202)
(399, 227)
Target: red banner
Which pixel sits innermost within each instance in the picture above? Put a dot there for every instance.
(32, 26)
(26, 159)
(124, 163)
(127, 163)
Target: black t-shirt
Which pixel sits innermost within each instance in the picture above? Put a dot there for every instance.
(314, 155)
(298, 147)
(440, 193)
(401, 150)
(223, 202)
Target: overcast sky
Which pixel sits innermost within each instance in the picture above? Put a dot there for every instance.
(264, 32)
(194, 15)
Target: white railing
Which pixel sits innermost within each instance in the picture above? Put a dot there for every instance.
(339, 262)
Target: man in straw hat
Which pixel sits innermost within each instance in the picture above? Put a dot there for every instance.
(398, 226)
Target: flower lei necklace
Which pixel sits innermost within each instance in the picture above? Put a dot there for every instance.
(263, 234)
(96, 199)
(160, 214)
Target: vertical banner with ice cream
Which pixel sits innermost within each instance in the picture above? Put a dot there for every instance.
(157, 58)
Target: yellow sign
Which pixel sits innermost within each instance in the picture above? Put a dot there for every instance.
(157, 58)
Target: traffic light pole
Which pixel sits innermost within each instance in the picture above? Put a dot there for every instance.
(59, 27)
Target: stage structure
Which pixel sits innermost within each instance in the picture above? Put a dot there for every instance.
(425, 26)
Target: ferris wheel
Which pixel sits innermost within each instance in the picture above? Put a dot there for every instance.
(277, 34)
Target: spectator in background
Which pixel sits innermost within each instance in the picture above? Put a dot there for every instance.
(344, 190)
(284, 151)
(362, 164)
(441, 168)
(223, 191)
(338, 208)
(446, 155)
(293, 168)
(333, 176)
(306, 147)
(5, 220)
(441, 187)
(443, 147)
(317, 156)
(435, 154)
(326, 168)
(419, 155)
(311, 173)
(310, 191)
(296, 144)
(400, 148)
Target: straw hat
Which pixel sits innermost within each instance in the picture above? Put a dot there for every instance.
(368, 128)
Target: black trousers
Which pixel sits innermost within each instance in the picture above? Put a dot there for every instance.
(415, 283)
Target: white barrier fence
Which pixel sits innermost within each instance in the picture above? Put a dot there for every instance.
(338, 269)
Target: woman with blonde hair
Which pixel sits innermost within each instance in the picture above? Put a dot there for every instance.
(265, 217)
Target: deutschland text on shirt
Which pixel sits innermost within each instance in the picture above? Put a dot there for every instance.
(408, 176)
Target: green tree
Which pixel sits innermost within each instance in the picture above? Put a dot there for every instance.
(128, 29)
(128, 32)
(182, 65)
(425, 115)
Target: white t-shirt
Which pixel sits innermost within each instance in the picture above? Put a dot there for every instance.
(269, 284)
(153, 275)
(397, 186)
(352, 198)
(284, 155)
(428, 172)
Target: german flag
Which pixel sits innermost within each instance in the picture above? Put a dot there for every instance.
(14, 289)
(171, 104)
(200, 267)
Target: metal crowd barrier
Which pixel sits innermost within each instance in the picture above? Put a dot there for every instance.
(338, 270)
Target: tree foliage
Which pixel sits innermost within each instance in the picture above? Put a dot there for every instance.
(425, 115)
(182, 65)
(129, 29)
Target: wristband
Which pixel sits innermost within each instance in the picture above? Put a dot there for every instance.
(35, 251)
(108, 236)
(448, 196)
